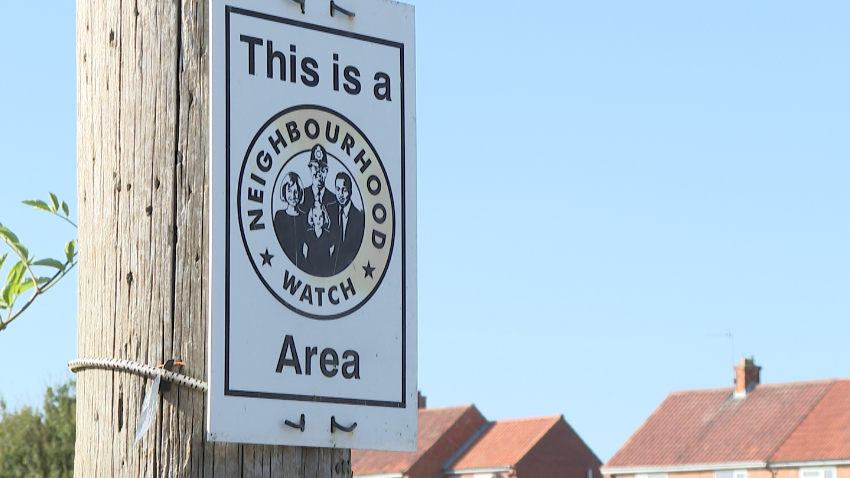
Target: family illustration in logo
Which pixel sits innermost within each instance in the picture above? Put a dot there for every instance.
(316, 212)
(319, 229)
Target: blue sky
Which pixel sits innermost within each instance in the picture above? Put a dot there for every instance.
(604, 189)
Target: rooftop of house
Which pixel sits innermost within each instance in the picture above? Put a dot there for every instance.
(503, 443)
(768, 423)
(457, 440)
(433, 424)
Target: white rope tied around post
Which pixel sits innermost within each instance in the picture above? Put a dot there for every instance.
(138, 369)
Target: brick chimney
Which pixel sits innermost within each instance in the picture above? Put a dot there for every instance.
(422, 399)
(746, 377)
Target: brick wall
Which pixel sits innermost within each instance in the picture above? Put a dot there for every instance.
(840, 472)
(487, 475)
(561, 453)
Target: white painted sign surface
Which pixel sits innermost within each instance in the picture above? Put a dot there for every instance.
(313, 224)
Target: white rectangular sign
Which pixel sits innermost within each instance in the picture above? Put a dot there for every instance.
(313, 224)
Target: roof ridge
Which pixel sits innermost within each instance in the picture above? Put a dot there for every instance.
(800, 421)
(468, 405)
(801, 382)
(528, 419)
(701, 390)
(775, 384)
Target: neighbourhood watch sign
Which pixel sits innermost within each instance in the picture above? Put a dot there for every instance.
(313, 224)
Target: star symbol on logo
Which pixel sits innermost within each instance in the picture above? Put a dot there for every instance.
(369, 269)
(267, 258)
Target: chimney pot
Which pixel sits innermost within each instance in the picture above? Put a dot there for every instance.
(422, 399)
(747, 376)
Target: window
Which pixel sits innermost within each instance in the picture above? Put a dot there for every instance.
(732, 474)
(655, 475)
(817, 472)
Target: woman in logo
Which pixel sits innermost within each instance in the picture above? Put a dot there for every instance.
(319, 249)
(290, 223)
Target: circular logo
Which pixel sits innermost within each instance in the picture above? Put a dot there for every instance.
(316, 212)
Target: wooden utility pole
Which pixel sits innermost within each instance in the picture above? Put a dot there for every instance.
(142, 146)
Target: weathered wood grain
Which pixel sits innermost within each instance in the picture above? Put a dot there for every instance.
(143, 179)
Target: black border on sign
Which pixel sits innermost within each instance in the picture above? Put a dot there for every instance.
(310, 398)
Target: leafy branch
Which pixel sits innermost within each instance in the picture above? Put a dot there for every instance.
(21, 276)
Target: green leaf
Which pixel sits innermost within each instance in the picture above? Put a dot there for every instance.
(16, 274)
(3, 259)
(65, 208)
(38, 204)
(50, 263)
(8, 235)
(27, 283)
(69, 251)
(21, 249)
(55, 202)
(12, 288)
(8, 293)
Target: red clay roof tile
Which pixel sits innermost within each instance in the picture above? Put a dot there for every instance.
(503, 443)
(825, 433)
(711, 426)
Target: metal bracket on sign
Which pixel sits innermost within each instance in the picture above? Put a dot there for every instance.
(336, 7)
(299, 425)
(335, 426)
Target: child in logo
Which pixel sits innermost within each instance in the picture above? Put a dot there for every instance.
(318, 251)
(290, 223)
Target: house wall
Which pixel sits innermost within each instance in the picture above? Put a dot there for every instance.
(486, 475)
(840, 472)
(561, 453)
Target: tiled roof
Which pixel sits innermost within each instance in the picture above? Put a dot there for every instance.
(777, 422)
(503, 443)
(825, 432)
(432, 424)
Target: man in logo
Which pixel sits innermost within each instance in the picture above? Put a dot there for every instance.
(317, 193)
(349, 223)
